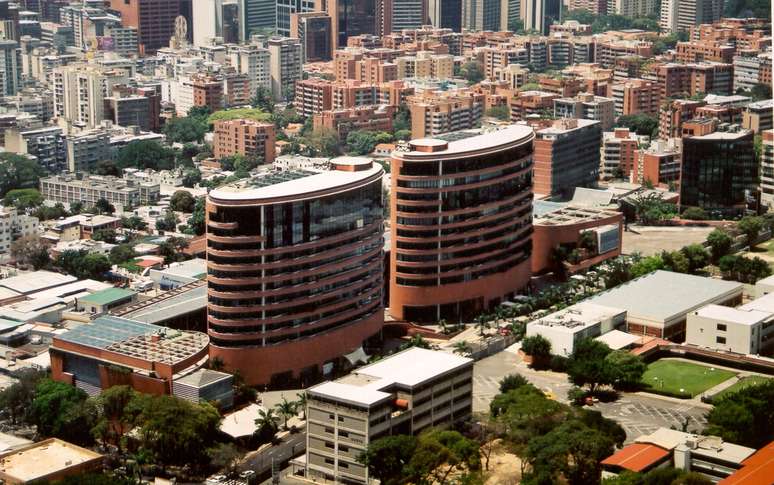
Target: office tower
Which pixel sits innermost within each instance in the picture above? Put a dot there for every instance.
(403, 14)
(154, 20)
(352, 17)
(681, 15)
(538, 15)
(767, 169)
(215, 19)
(567, 156)
(257, 16)
(461, 219)
(313, 29)
(286, 8)
(10, 67)
(285, 66)
(386, 398)
(295, 270)
(719, 173)
(445, 14)
(481, 14)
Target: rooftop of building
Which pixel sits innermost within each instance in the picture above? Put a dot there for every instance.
(711, 446)
(42, 459)
(461, 142)
(295, 183)
(108, 296)
(617, 339)
(570, 214)
(766, 104)
(577, 317)
(193, 268)
(94, 181)
(566, 125)
(168, 305)
(637, 457)
(676, 294)
(366, 386)
(203, 377)
(736, 315)
(36, 281)
(137, 339)
(756, 469)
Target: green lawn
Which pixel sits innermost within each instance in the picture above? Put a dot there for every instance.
(741, 384)
(669, 376)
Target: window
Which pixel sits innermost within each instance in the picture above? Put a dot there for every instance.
(328, 444)
(720, 340)
(344, 448)
(343, 434)
(341, 419)
(329, 461)
(722, 327)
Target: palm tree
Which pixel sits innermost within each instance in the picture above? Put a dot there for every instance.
(266, 421)
(301, 403)
(286, 409)
(462, 348)
(482, 322)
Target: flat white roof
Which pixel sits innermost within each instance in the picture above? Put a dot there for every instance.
(764, 304)
(44, 458)
(36, 281)
(483, 141)
(311, 182)
(576, 317)
(411, 367)
(736, 315)
(617, 340)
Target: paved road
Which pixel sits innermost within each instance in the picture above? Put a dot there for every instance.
(293, 445)
(638, 414)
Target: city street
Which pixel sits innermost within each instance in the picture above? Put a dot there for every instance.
(294, 445)
(637, 413)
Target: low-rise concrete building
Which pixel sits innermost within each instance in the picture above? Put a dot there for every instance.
(49, 460)
(89, 189)
(567, 327)
(403, 394)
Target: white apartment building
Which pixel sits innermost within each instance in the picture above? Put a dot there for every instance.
(88, 190)
(255, 62)
(405, 393)
(587, 106)
(13, 226)
(514, 74)
(681, 15)
(632, 8)
(80, 91)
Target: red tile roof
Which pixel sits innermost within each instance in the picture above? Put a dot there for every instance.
(637, 457)
(758, 469)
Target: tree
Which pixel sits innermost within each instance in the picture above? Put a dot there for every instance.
(185, 129)
(266, 424)
(361, 142)
(16, 400)
(46, 213)
(402, 121)
(23, 198)
(134, 223)
(32, 251)
(18, 172)
(438, 453)
(697, 257)
(175, 431)
(695, 213)
(473, 72)
(643, 124)
(301, 404)
(675, 261)
(286, 409)
(537, 346)
(107, 235)
(113, 420)
(182, 201)
(416, 341)
(647, 265)
(61, 410)
(224, 456)
(386, 458)
(572, 450)
(720, 244)
(587, 365)
(403, 135)
(502, 112)
(751, 226)
(627, 369)
(197, 220)
(462, 348)
(107, 167)
(742, 269)
(191, 177)
(82, 264)
(145, 154)
(323, 142)
(511, 382)
(263, 100)
(103, 206)
(167, 222)
(121, 254)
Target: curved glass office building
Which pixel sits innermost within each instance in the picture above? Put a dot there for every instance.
(295, 268)
(461, 219)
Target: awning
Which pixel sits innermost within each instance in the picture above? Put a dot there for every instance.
(357, 356)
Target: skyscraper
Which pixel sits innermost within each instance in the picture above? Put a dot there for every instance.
(10, 67)
(681, 15)
(352, 17)
(481, 14)
(313, 29)
(403, 14)
(295, 270)
(216, 19)
(538, 15)
(446, 14)
(286, 8)
(257, 15)
(154, 20)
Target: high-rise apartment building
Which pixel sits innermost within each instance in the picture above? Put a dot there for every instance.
(719, 173)
(461, 219)
(618, 155)
(295, 270)
(80, 91)
(254, 62)
(10, 67)
(313, 30)
(153, 19)
(45, 144)
(767, 169)
(538, 15)
(632, 8)
(285, 66)
(443, 112)
(567, 156)
(636, 96)
(248, 138)
(85, 149)
(382, 399)
(588, 107)
(659, 164)
(286, 9)
(681, 15)
(216, 19)
(481, 14)
(445, 14)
